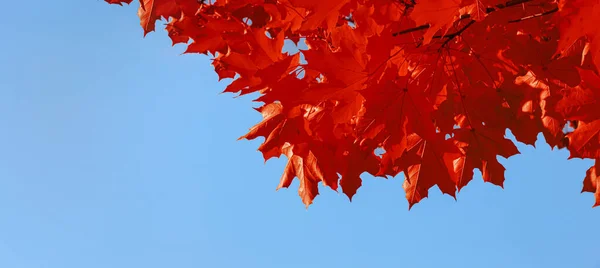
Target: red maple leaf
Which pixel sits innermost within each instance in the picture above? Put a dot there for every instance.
(352, 160)
(480, 147)
(119, 2)
(591, 182)
(434, 84)
(584, 142)
(579, 19)
(434, 166)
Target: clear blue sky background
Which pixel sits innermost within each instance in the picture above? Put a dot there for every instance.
(115, 151)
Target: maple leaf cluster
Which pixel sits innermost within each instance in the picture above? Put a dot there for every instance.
(434, 84)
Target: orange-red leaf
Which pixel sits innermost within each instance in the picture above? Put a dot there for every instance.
(584, 142)
(591, 182)
(434, 167)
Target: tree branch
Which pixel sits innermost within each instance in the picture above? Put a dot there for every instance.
(535, 15)
(488, 10)
(410, 30)
(457, 33)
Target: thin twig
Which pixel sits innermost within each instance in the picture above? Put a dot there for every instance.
(422, 27)
(535, 15)
(457, 33)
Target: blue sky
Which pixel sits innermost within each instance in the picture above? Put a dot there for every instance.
(117, 151)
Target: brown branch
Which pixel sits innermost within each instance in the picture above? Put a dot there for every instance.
(457, 33)
(410, 30)
(535, 15)
(452, 35)
(466, 16)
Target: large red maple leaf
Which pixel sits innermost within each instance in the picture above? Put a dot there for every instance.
(433, 84)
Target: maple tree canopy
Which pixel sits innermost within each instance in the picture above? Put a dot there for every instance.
(433, 84)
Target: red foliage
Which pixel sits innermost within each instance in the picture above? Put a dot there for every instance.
(434, 83)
